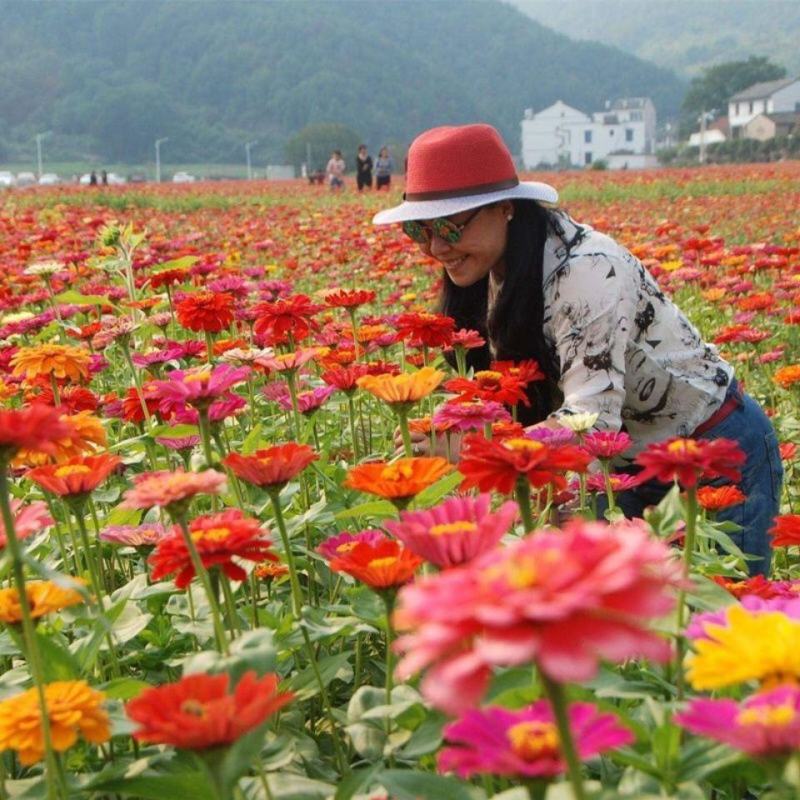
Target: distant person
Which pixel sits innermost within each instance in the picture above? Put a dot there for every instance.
(363, 168)
(104, 178)
(93, 178)
(383, 169)
(335, 171)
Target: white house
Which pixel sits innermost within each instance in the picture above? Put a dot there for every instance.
(622, 135)
(762, 98)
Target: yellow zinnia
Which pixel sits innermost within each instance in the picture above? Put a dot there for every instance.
(62, 361)
(87, 434)
(406, 388)
(44, 597)
(73, 708)
(750, 646)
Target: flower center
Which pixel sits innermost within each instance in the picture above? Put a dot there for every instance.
(380, 563)
(523, 445)
(773, 716)
(397, 472)
(193, 707)
(346, 547)
(533, 739)
(488, 377)
(72, 469)
(447, 528)
(203, 376)
(211, 534)
(684, 447)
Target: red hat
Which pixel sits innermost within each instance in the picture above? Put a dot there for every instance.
(455, 168)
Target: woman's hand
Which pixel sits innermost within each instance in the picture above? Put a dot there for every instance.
(421, 444)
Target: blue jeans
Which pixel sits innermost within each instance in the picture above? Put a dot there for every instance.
(762, 478)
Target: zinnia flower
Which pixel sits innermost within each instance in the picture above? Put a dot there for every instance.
(717, 498)
(429, 330)
(218, 538)
(496, 464)
(454, 532)
(562, 599)
(172, 490)
(199, 711)
(205, 311)
(787, 376)
(197, 387)
(144, 535)
(35, 427)
(383, 564)
(525, 743)
(786, 531)
(44, 597)
(489, 385)
(688, 460)
(290, 316)
(402, 390)
(342, 543)
(73, 709)
(76, 476)
(63, 362)
(399, 480)
(764, 725)
(31, 518)
(470, 416)
(606, 445)
(272, 467)
(342, 298)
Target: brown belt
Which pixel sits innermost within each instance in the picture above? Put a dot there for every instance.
(732, 401)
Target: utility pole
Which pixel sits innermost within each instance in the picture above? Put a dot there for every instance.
(702, 157)
(247, 147)
(158, 157)
(39, 137)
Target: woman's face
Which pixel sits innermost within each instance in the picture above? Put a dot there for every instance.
(481, 246)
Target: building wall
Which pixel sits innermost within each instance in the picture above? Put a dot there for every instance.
(605, 139)
(760, 127)
(788, 98)
(547, 135)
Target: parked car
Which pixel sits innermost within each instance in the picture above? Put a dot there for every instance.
(26, 179)
(85, 179)
(49, 179)
(137, 177)
(7, 179)
(115, 180)
(183, 177)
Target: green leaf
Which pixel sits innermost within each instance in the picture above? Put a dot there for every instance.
(159, 787)
(252, 440)
(72, 297)
(174, 431)
(432, 495)
(176, 263)
(378, 509)
(356, 781)
(285, 786)
(253, 650)
(123, 688)
(57, 662)
(305, 685)
(411, 785)
(123, 516)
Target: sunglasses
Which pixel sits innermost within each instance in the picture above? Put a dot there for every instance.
(441, 227)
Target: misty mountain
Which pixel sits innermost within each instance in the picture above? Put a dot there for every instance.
(108, 77)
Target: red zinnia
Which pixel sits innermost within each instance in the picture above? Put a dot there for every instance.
(218, 539)
(206, 311)
(786, 531)
(37, 427)
(430, 330)
(344, 378)
(493, 464)
(717, 498)
(342, 298)
(381, 565)
(489, 385)
(290, 316)
(272, 467)
(199, 712)
(688, 460)
(76, 476)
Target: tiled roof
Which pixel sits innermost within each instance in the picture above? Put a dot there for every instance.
(759, 91)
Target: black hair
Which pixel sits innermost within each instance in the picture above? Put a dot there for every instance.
(515, 324)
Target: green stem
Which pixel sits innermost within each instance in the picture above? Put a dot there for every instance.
(688, 555)
(558, 701)
(297, 594)
(137, 380)
(54, 387)
(291, 382)
(402, 417)
(210, 347)
(523, 494)
(54, 789)
(351, 411)
(205, 434)
(612, 503)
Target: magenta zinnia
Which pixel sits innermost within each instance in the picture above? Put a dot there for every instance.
(197, 387)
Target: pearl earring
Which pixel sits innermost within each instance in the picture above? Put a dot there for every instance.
(510, 217)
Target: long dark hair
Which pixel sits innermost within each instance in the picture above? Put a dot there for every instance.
(515, 325)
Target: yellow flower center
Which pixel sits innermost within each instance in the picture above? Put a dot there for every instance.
(212, 534)
(523, 445)
(488, 377)
(397, 472)
(447, 528)
(203, 376)
(193, 707)
(380, 563)
(774, 716)
(346, 547)
(72, 469)
(533, 739)
(688, 447)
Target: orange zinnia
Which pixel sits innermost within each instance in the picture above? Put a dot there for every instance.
(787, 376)
(716, 498)
(404, 389)
(76, 476)
(399, 480)
(273, 466)
(199, 711)
(36, 427)
(205, 311)
(73, 708)
(63, 362)
(786, 531)
(85, 432)
(44, 597)
(381, 565)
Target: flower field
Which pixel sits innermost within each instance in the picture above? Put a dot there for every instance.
(226, 575)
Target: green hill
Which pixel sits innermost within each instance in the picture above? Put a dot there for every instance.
(109, 77)
(678, 34)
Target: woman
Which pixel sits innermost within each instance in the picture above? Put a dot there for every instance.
(383, 169)
(363, 168)
(539, 285)
(335, 171)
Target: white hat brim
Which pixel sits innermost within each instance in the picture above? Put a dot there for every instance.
(431, 209)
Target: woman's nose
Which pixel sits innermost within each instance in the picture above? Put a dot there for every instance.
(438, 245)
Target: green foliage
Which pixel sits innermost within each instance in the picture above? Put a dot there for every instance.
(108, 78)
(321, 139)
(711, 90)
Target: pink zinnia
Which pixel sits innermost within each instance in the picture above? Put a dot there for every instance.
(562, 599)
(466, 338)
(553, 437)
(454, 532)
(764, 725)
(134, 535)
(178, 442)
(335, 546)
(525, 743)
(620, 482)
(31, 518)
(197, 387)
(288, 362)
(606, 445)
(169, 489)
(307, 401)
(470, 416)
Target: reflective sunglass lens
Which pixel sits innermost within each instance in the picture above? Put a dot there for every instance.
(416, 232)
(446, 230)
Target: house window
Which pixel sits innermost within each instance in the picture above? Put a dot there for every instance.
(751, 106)
(737, 110)
(610, 131)
(587, 158)
(587, 137)
(628, 134)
